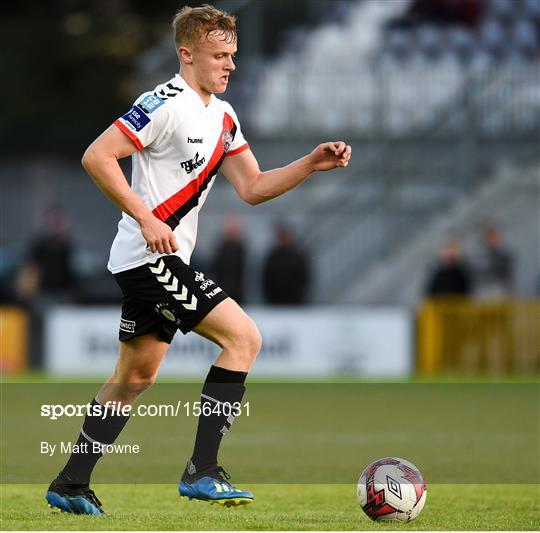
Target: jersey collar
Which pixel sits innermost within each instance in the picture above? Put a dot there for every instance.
(184, 84)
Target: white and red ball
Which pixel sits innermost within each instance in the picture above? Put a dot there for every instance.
(392, 489)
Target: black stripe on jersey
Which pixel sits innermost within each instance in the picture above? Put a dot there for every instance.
(183, 210)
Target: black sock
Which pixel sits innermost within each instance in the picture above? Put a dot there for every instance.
(101, 429)
(221, 385)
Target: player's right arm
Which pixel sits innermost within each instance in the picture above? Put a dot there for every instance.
(101, 162)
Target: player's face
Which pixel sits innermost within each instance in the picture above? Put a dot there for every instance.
(213, 62)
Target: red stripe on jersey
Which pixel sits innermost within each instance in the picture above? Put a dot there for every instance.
(124, 129)
(164, 210)
(238, 150)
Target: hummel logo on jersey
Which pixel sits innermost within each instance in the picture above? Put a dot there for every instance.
(194, 141)
(191, 164)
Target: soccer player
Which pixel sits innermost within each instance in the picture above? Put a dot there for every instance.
(179, 136)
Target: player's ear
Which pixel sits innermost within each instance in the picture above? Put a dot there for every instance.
(185, 55)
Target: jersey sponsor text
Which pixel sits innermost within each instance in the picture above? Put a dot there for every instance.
(191, 164)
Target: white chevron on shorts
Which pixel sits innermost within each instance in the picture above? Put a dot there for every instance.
(159, 268)
(183, 295)
(192, 305)
(173, 286)
(165, 278)
(164, 275)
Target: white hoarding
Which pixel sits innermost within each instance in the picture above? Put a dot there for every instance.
(301, 342)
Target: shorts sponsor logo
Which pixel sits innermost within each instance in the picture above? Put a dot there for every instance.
(136, 118)
(211, 294)
(150, 103)
(226, 139)
(191, 164)
(127, 325)
(166, 311)
(195, 141)
(205, 284)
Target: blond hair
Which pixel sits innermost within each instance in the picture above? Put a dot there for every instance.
(191, 24)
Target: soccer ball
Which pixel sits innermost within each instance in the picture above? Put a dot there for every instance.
(391, 489)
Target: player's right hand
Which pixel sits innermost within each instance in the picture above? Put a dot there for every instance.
(158, 235)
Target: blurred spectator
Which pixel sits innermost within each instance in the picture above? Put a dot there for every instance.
(464, 12)
(46, 277)
(48, 271)
(451, 276)
(444, 12)
(494, 266)
(286, 272)
(229, 263)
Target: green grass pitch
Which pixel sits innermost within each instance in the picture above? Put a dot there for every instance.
(300, 452)
(277, 507)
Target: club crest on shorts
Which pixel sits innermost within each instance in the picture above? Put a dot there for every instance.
(226, 139)
(167, 311)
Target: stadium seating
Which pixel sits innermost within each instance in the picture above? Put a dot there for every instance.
(417, 94)
(369, 66)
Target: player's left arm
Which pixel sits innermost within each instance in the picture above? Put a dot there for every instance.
(255, 187)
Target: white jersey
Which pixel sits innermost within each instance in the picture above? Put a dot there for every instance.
(181, 145)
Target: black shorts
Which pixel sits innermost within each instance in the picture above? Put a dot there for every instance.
(164, 296)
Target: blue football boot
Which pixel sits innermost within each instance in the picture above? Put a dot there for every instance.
(70, 498)
(212, 485)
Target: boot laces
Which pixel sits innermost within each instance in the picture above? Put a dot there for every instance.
(91, 496)
(222, 474)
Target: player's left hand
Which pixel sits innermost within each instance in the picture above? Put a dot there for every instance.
(331, 155)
